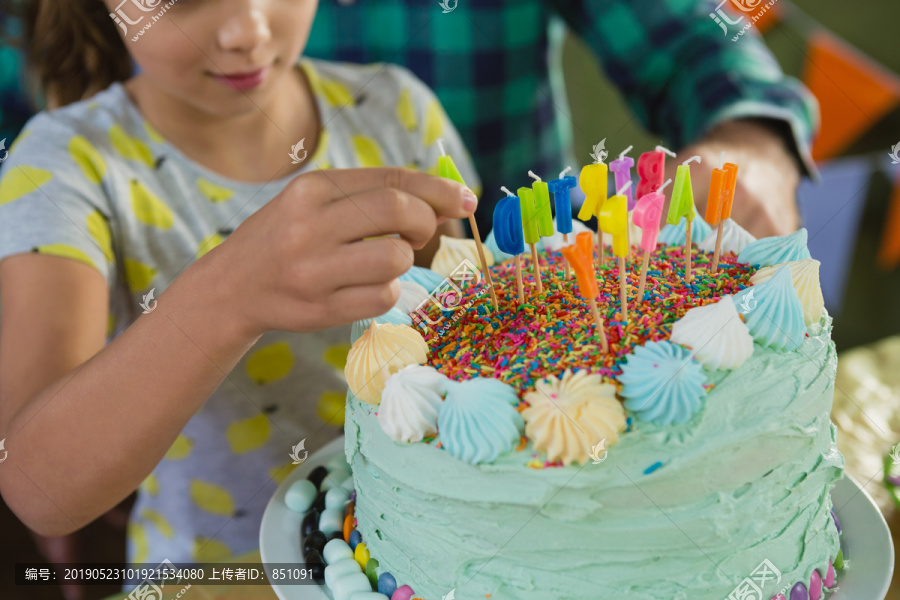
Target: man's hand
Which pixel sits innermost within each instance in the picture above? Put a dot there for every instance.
(765, 199)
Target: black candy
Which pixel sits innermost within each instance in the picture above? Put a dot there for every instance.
(319, 503)
(316, 565)
(336, 535)
(310, 523)
(314, 542)
(318, 475)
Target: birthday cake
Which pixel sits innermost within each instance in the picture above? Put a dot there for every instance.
(639, 427)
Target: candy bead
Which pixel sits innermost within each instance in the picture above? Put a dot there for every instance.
(347, 585)
(355, 539)
(798, 592)
(337, 497)
(316, 566)
(348, 527)
(337, 479)
(350, 508)
(839, 561)
(317, 475)
(300, 495)
(368, 596)
(337, 535)
(319, 502)
(372, 572)
(310, 523)
(403, 593)
(387, 585)
(829, 576)
(314, 541)
(338, 463)
(361, 555)
(815, 586)
(336, 550)
(335, 571)
(331, 520)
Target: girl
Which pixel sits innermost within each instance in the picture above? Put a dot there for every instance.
(175, 267)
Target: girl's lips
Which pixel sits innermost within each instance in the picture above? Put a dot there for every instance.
(243, 81)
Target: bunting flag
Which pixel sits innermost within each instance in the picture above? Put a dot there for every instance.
(854, 92)
(765, 20)
(889, 249)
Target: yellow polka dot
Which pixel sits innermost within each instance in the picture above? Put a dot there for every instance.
(406, 112)
(331, 408)
(138, 538)
(280, 473)
(150, 485)
(138, 274)
(110, 325)
(270, 363)
(320, 148)
(336, 356)
(434, 123)
(153, 134)
(180, 448)
(22, 180)
(209, 550)
(212, 192)
(148, 514)
(88, 158)
(325, 165)
(248, 434)
(208, 243)
(368, 154)
(212, 498)
(99, 230)
(130, 147)
(67, 252)
(21, 137)
(336, 93)
(149, 208)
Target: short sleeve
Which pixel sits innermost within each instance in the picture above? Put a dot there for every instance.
(51, 196)
(422, 114)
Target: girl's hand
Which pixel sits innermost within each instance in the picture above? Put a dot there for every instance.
(765, 200)
(302, 263)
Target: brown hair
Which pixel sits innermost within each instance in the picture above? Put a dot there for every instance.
(72, 48)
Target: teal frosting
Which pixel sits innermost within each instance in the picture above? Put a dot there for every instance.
(773, 312)
(746, 479)
(427, 278)
(663, 384)
(775, 250)
(394, 316)
(676, 235)
(477, 421)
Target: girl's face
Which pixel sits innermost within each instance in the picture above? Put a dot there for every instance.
(215, 55)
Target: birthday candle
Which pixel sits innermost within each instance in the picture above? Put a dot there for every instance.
(530, 228)
(542, 206)
(682, 205)
(722, 184)
(622, 168)
(447, 169)
(613, 219)
(509, 233)
(562, 198)
(650, 168)
(593, 181)
(579, 256)
(647, 214)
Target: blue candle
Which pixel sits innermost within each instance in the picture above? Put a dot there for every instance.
(508, 231)
(562, 199)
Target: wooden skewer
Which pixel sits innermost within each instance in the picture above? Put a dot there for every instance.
(599, 248)
(568, 268)
(715, 264)
(536, 267)
(484, 265)
(687, 250)
(519, 279)
(598, 321)
(644, 266)
(623, 295)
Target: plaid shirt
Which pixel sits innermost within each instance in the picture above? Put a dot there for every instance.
(487, 61)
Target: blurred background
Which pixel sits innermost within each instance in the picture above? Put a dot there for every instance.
(845, 53)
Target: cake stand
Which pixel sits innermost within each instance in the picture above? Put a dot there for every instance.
(865, 537)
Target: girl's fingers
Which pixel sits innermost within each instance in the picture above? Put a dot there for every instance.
(379, 212)
(357, 302)
(446, 197)
(370, 262)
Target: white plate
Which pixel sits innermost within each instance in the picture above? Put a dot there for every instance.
(865, 537)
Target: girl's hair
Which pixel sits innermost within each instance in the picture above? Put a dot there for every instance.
(72, 48)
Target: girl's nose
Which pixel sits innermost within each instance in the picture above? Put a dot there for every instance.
(245, 30)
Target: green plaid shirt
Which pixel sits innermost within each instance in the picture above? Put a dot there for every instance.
(487, 61)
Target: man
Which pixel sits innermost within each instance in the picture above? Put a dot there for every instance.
(487, 61)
